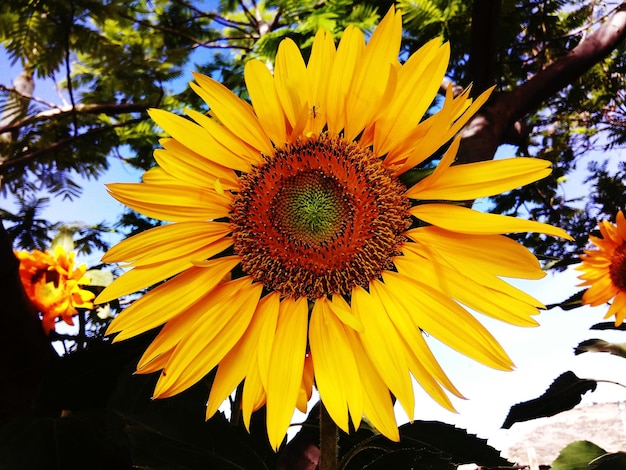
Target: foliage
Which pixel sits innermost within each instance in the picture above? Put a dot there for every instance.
(563, 394)
(112, 421)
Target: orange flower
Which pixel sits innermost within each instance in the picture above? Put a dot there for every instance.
(53, 284)
(604, 269)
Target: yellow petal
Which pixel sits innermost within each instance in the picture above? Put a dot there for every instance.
(475, 180)
(432, 133)
(260, 85)
(254, 396)
(381, 341)
(268, 311)
(166, 242)
(174, 203)
(342, 310)
(447, 321)
(170, 299)
(156, 364)
(377, 404)
(287, 365)
(213, 335)
(348, 55)
(235, 365)
(468, 291)
(423, 71)
(234, 113)
(318, 69)
(425, 367)
(464, 220)
(494, 254)
(191, 167)
(292, 83)
(195, 138)
(336, 370)
(144, 276)
(372, 70)
(306, 388)
(228, 145)
(618, 308)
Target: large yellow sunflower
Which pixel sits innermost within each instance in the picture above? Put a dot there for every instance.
(604, 269)
(296, 254)
(52, 283)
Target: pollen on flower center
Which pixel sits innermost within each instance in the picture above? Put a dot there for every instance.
(617, 271)
(319, 217)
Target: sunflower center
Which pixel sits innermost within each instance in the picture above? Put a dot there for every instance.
(617, 271)
(309, 206)
(319, 217)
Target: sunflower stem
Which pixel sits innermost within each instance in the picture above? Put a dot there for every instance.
(329, 436)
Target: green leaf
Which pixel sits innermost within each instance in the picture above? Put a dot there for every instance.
(577, 456)
(599, 345)
(562, 395)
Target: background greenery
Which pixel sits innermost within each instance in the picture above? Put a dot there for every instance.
(559, 70)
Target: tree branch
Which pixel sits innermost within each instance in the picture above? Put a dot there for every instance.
(565, 70)
(108, 109)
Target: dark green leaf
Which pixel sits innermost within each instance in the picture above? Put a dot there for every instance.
(608, 325)
(75, 442)
(613, 461)
(562, 395)
(172, 434)
(410, 459)
(420, 440)
(571, 303)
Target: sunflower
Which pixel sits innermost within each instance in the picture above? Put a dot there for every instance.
(604, 269)
(52, 283)
(297, 253)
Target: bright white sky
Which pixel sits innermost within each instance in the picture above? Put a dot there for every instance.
(541, 354)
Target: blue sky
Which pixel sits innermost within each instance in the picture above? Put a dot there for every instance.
(541, 354)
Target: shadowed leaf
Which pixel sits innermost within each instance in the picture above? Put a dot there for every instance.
(571, 303)
(423, 444)
(73, 442)
(172, 434)
(599, 345)
(564, 394)
(608, 325)
(612, 461)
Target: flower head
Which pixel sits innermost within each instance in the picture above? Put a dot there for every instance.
(296, 254)
(604, 269)
(52, 283)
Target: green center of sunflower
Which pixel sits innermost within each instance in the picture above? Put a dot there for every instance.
(617, 271)
(309, 207)
(319, 217)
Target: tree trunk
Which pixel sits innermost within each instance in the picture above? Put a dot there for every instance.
(25, 352)
(499, 118)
